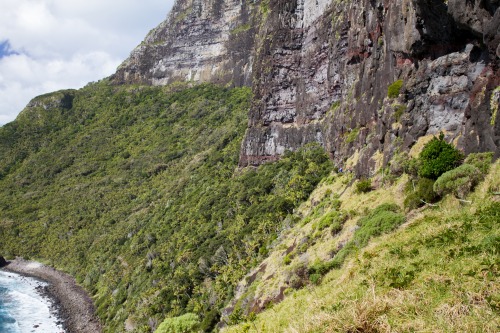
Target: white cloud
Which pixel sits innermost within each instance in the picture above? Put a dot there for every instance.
(67, 43)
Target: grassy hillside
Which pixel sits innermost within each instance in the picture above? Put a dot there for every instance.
(135, 191)
(438, 271)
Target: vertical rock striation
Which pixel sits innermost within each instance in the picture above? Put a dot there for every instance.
(321, 69)
(200, 41)
(325, 78)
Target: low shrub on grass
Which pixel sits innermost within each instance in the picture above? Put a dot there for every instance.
(482, 161)
(420, 193)
(459, 181)
(382, 219)
(364, 185)
(334, 219)
(323, 267)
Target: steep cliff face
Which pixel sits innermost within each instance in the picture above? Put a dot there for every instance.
(325, 78)
(201, 41)
(321, 70)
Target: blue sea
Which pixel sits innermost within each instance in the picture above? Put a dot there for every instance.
(22, 308)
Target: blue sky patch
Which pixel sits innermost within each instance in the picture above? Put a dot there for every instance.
(6, 49)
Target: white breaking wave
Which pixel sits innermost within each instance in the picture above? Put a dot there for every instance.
(22, 308)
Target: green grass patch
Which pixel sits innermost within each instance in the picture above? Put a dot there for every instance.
(394, 89)
(352, 136)
(383, 219)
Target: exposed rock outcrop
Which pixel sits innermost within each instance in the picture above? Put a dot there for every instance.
(320, 71)
(327, 80)
(201, 41)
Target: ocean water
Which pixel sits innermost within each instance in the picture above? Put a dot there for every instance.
(22, 308)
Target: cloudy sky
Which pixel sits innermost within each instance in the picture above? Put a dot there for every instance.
(46, 45)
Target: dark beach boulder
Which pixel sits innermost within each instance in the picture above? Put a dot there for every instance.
(3, 262)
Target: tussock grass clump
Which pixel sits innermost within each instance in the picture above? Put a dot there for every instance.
(394, 89)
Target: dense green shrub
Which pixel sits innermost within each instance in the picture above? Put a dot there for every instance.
(364, 185)
(459, 181)
(394, 89)
(482, 161)
(420, 193)
(437, 157)
(150, 176)
(186, 323)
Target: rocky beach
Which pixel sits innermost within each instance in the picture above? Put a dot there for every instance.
(74, 306)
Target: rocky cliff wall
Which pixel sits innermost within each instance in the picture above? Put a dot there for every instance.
(200, 41)
(326, 78)
(321, 69)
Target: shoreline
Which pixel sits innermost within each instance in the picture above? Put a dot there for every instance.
(72, 303)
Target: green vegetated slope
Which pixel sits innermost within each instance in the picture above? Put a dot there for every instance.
(360, 262)
(135, 192)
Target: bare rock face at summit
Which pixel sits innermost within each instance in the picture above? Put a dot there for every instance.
(320, 71)
(201, 41)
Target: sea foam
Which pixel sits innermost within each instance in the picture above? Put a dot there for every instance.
(22, 308)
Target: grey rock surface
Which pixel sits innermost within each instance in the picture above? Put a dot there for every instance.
(320, 71)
